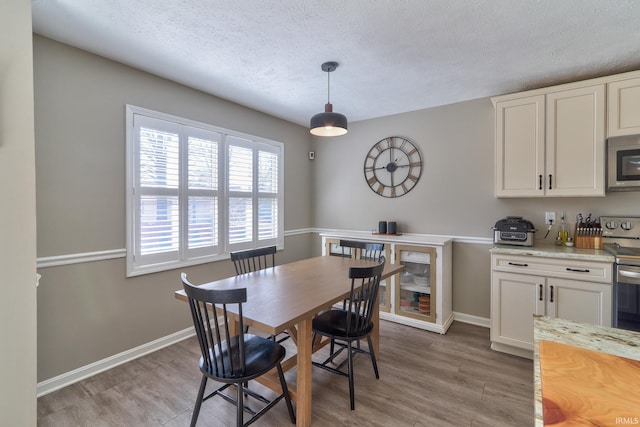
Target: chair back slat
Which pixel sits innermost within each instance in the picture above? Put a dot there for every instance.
(221, 356)
(365, 282)
(253, 259)
(363, 250)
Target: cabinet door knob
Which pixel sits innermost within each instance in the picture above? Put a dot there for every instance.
(551, 295)
(541, 296)
(550, 179)
(539, 182)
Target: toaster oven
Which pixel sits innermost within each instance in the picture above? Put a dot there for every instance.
(514, 230)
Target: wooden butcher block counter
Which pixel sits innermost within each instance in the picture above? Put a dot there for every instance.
(585, 374)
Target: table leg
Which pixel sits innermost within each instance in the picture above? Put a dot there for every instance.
(303, 386)
(375, 334)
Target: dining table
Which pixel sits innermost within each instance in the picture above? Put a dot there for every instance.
(287, 297)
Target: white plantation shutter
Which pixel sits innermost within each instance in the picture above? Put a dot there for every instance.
(253, 191)
(157, 194)
(197, 192)
(202, 190)
(240, 191)
(268, 169)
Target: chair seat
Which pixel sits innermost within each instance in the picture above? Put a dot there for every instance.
(333, 323)
(261, 355)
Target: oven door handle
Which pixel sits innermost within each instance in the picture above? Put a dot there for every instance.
(632, 274)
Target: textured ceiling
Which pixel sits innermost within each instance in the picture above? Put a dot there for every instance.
(395, 55)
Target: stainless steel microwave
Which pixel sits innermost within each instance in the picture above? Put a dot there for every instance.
(623, 163)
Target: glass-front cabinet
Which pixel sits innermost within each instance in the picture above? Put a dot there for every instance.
(420, 295)
(332, 248)
(414, 294)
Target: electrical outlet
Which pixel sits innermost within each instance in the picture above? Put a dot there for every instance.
(549, 218)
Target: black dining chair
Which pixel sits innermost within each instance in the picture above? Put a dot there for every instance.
(364, 250)
(353, 323)
(251, 260)
(232, 359)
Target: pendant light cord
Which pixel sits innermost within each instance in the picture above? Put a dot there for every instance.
(328, 87)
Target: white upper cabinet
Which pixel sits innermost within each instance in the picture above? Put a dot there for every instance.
(520, 147)
(551, 142)
(575, 142)
(623, 107)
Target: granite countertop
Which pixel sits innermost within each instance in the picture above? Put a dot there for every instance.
(553, 251)
(618, 342)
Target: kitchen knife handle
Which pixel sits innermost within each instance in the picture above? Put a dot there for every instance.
(540, 182)
(550, 178)
(541, 297)
(517, 264)
(551, 295)
(578, 270)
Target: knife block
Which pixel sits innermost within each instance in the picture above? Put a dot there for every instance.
(588, 238)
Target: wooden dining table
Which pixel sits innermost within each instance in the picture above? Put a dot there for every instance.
(286, 298)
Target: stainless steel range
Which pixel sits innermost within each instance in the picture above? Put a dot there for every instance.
(622, 239)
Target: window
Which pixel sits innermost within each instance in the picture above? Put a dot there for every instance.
(196, 192)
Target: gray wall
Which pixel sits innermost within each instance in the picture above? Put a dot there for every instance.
(17, 218)
(453, 197)
(85, 309)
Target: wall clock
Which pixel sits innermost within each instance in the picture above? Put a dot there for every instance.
(393, 166)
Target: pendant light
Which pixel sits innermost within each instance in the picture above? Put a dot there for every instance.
(328, 123)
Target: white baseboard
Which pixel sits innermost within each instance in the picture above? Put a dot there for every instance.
(473, 320)
(68, 378)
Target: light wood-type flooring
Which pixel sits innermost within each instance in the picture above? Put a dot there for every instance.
(426, 380)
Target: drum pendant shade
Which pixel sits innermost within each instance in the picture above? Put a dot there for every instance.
(328, 123)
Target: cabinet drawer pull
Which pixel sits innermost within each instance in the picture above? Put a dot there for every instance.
(551, 295)
(517, 264)
(550, 178)
(539, 182)
(578, 270)
(541, 296)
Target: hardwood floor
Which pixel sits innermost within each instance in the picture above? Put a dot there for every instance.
(426, 380)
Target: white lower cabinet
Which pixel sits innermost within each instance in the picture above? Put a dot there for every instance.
(583, 293)
(419, 296)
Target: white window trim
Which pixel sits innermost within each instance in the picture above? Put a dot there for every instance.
(224, 248)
